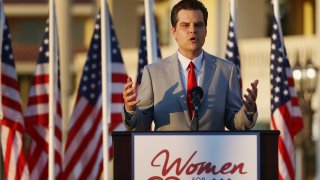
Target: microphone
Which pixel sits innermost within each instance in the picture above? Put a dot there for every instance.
(196, 96)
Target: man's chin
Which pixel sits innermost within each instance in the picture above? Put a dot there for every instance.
(195, 49)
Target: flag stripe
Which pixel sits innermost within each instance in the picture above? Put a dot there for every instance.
(41, 99)
(8, 66)
(12, 124)
(117, 98)
(12, 104)
(8, 153)
(10, 82)
(39, 119)
(119, 78)
(13, 96)
(38, 90)
(41, 79)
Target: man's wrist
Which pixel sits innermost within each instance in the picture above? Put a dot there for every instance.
(252, 111)
(249, 113)
(249, 116)
(128, 114)
(131, 111)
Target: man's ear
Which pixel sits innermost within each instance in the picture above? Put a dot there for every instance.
(206, 31)
(173, 31)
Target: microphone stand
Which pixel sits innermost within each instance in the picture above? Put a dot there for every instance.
(195, 120)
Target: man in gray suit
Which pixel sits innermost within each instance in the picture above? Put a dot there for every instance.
(164, 90)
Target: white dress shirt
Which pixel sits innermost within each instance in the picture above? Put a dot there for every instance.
(184, 69)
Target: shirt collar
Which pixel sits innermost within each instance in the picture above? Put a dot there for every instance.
(198, 61)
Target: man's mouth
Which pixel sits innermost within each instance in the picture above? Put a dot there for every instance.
(193, 39)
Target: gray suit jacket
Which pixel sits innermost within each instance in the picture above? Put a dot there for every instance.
(163, 98)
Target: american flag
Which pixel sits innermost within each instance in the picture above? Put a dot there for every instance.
(83, 157)
(285, 110)
(232, 52)
(12, 126)
(143, 54)
(37, 117)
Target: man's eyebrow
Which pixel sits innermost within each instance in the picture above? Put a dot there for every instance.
(199, 23)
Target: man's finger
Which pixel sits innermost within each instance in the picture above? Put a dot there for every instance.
(245, 104)
(127, 85)
(254, 85)
(252, 94)
(131, 97)
(133, 103)
(248, 106)
(128, 92)
(129, 79)
(249, 100)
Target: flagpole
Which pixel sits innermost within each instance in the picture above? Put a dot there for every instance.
(106, 83)
(52, 80)
(150, 31)
(1, 39)
(233, 14)
(65, 45)
(277, 15)
(233, 11)
(275, 4)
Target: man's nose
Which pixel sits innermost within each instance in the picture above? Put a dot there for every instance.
(192, 28)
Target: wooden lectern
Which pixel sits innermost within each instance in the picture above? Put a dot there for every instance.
(196, 155)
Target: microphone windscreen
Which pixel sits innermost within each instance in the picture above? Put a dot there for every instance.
(198, 90)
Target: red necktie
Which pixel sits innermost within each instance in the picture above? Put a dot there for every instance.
(192, 82)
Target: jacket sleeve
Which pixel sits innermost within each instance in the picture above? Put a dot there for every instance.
(142, 118)
(236, 118)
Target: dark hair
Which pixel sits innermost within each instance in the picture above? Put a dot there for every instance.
(188, 5)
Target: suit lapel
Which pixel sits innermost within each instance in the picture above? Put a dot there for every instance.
(209, 67)
(173, 70)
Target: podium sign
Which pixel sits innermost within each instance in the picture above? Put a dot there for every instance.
(206, 156)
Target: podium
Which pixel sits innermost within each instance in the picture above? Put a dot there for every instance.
(196, 155)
